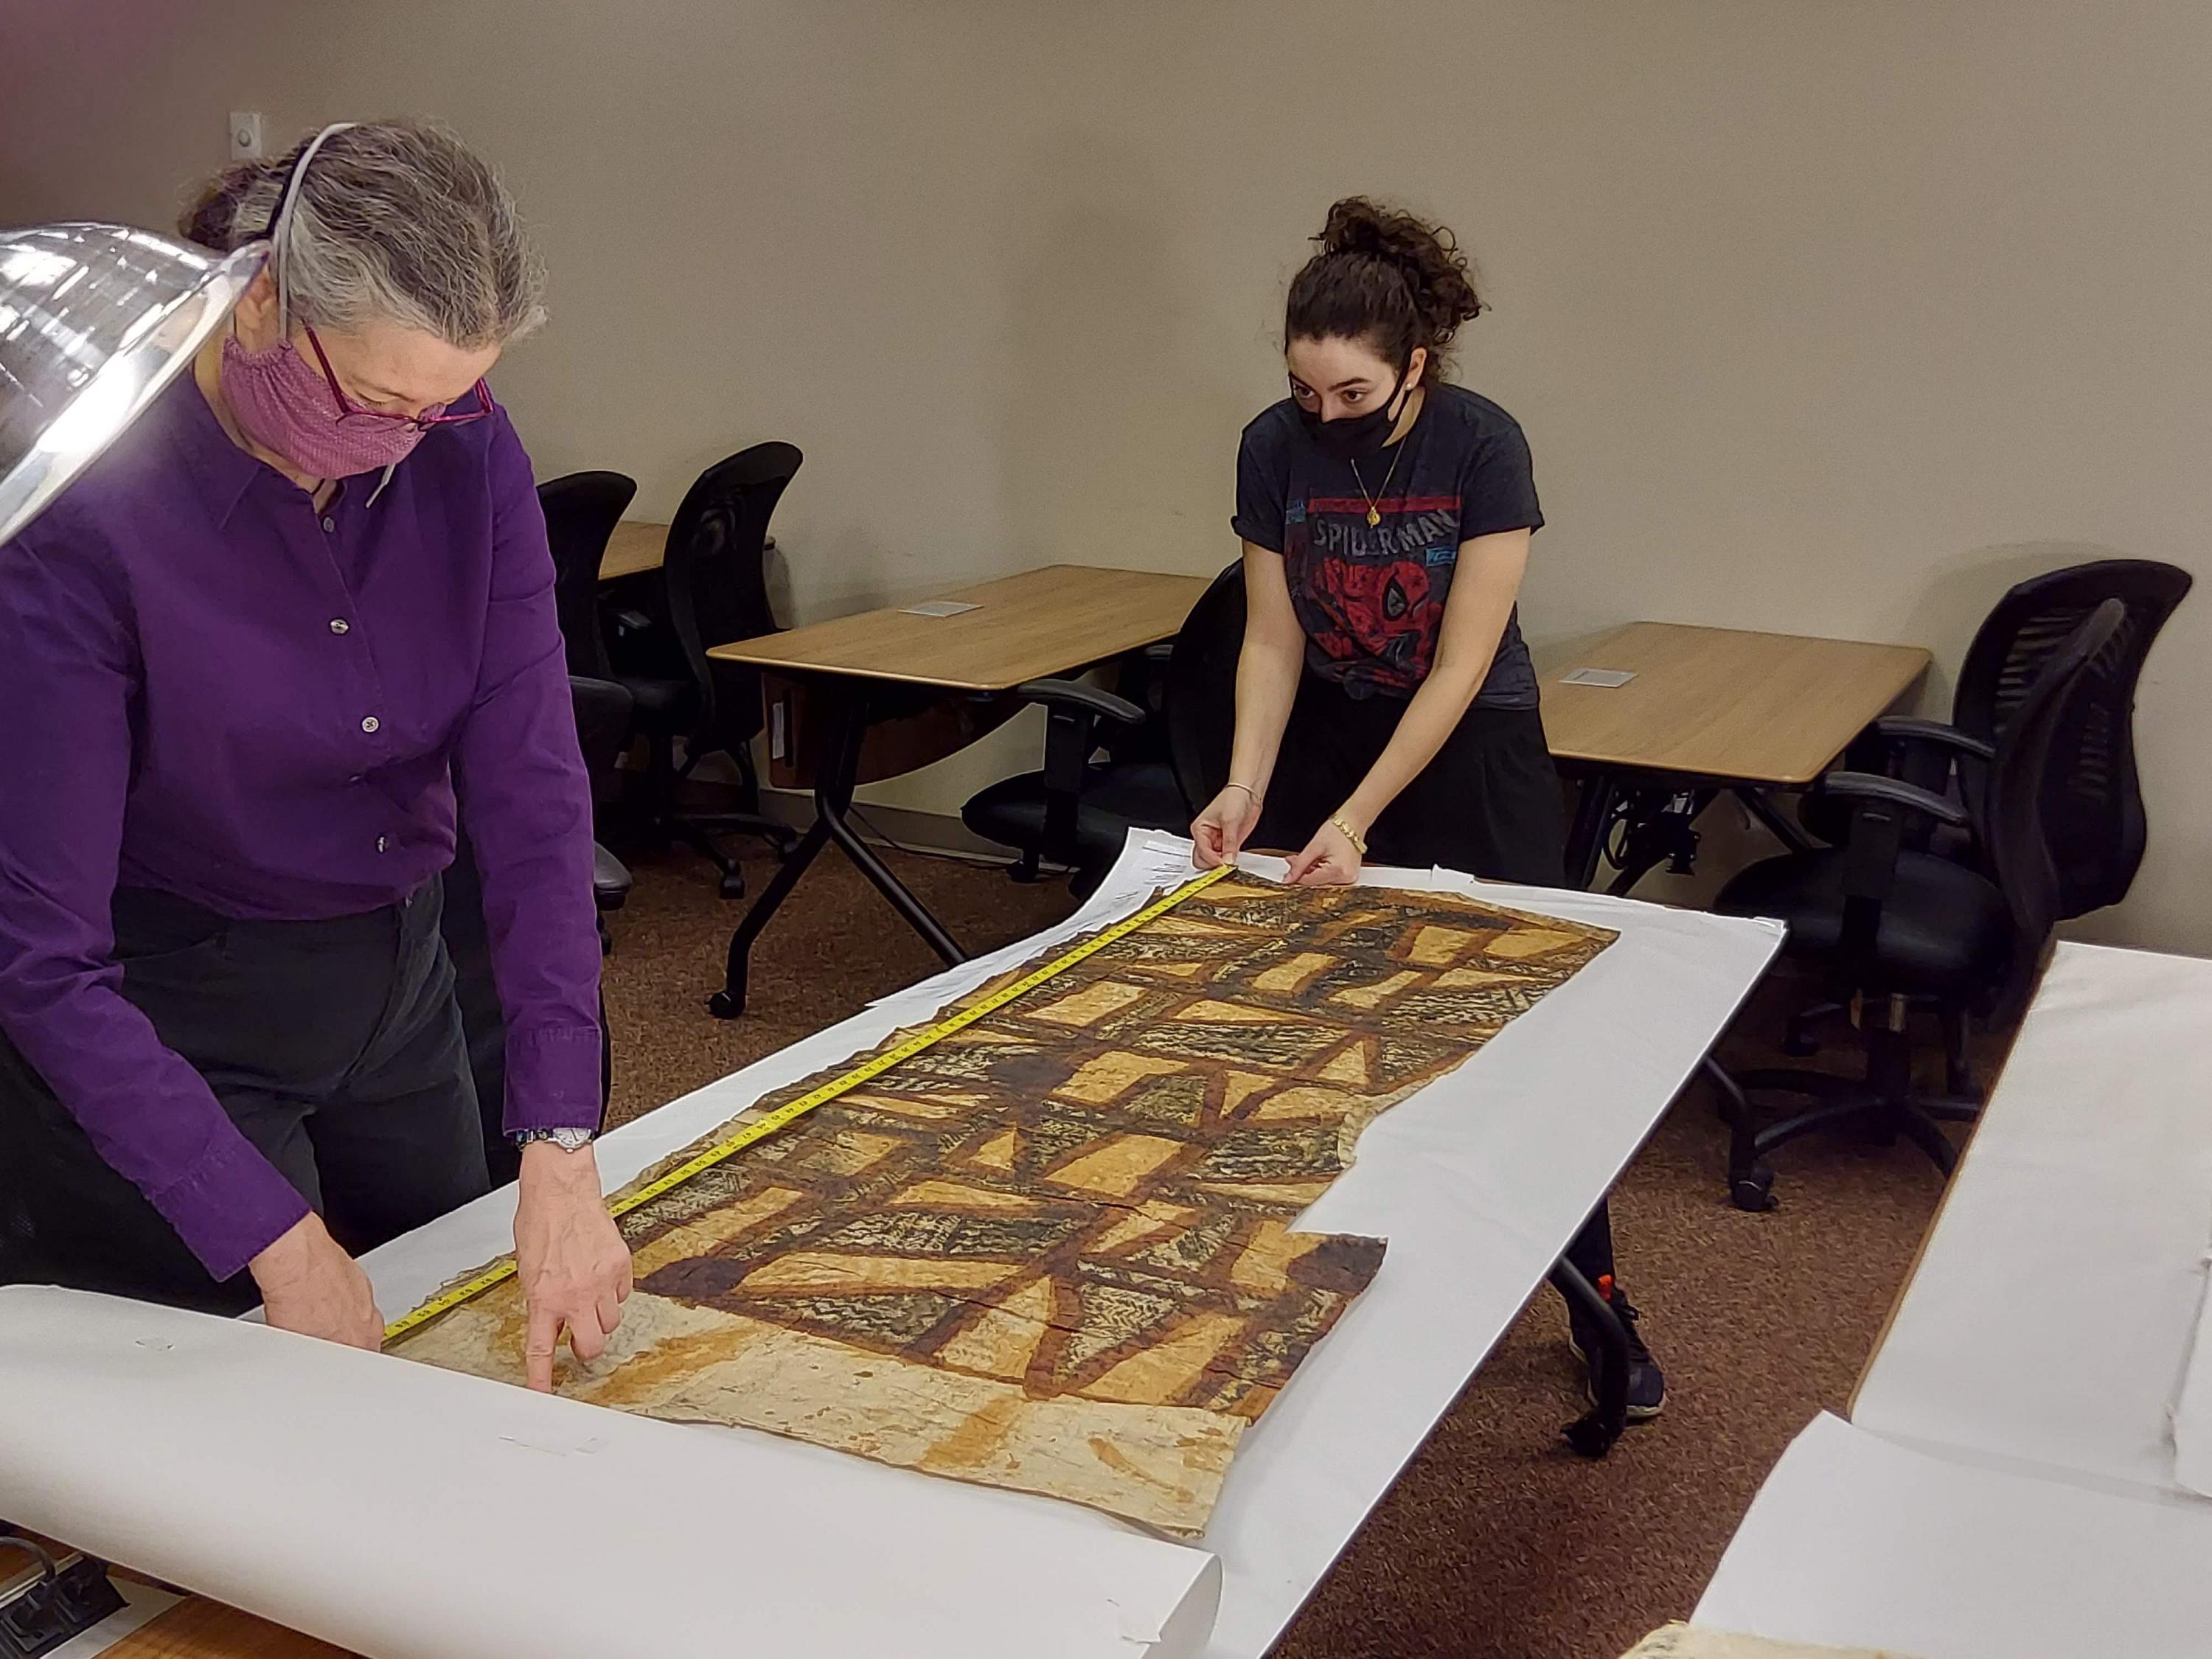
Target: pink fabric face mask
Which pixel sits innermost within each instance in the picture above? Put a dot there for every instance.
(296, 409)
(284, 402)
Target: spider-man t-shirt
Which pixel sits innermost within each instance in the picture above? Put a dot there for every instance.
(1371, 597)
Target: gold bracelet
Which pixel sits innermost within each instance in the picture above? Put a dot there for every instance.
(1358, 842)
(1246, 787)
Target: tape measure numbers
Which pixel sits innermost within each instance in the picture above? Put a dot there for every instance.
(792, 1110)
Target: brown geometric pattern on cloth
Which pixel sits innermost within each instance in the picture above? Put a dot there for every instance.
(1055, 1251)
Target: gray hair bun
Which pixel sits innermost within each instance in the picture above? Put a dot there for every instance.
(394, 222)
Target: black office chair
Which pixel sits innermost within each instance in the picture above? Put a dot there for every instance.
(1901, 927)
(1078, 811)
(603, 711)
(715, 577)
(2092, 804)
(1201, 691)
(2093, 809)
(581, 511)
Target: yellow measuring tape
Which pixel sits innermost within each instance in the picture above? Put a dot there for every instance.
(761, 1127)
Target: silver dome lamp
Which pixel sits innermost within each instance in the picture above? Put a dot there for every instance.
(95, 320)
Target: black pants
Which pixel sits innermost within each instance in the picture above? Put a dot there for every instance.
(336, 1047)
(1489, 804)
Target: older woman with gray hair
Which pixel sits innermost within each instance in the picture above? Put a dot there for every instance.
(254, 664)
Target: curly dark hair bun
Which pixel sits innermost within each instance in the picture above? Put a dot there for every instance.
(1387, 277)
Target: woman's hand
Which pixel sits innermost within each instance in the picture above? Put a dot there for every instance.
(309, 1284)
(570, 1257)
(1329, 860)
(1218, 834)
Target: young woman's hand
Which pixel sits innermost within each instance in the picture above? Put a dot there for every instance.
(1218, 834)
(1329, 860)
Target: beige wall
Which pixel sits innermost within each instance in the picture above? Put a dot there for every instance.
(1828, 317)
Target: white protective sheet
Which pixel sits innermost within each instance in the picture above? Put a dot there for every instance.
(1857, 1541)
(2050, 1322)
(406, 1512)
(1478, 1181)
(2192, 1414)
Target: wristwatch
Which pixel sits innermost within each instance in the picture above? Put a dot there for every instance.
(568, 1140)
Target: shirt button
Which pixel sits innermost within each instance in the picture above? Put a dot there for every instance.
(383, 841)
(340, 625)
(370, 724)
(330, 524)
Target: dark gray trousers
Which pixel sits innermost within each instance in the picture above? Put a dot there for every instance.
(336, 1048)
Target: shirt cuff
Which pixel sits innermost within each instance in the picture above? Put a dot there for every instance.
(554, 1080)
(230, 1205)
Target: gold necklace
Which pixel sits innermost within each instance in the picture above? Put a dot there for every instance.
(1375, 512)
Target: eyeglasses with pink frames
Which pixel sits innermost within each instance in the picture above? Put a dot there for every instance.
(437, 415)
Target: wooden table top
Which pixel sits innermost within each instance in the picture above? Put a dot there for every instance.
(197, 1628)
(634, 548)
(1028, 626)
(1721, 702)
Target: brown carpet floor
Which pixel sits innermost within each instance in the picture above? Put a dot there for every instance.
(1497, 1542)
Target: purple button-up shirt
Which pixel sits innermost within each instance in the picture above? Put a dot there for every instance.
(208, 687)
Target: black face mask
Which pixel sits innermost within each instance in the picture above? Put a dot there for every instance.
(1354, 436)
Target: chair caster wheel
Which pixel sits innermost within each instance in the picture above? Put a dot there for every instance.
(733, 885)
(723, 1005)
(1755, 1191)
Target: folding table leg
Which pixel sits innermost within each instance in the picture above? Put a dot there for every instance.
(1594, 1432)
(901, 896)
(1759, 803)
(1586, 836)
(833, 796)
(729, 1001)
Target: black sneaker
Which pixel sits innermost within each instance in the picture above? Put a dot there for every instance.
(1647, 1388)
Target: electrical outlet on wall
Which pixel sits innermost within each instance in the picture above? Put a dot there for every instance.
(245, 135)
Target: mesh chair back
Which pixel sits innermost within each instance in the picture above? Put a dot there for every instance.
(717, 574)
(2013, 826)
(1201, 689)
(2092, 809)
(581, 511)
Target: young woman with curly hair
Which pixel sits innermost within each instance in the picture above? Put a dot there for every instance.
(1384, 696)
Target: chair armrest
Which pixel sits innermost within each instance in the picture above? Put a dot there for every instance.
(627, 621)
(1906, 728)
(1074, 710)
(1159, 650)
(1870, 856)
(611, 879)
(1865, 785)
(1074, 695)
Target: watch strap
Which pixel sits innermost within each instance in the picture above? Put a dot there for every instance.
(568, 1140)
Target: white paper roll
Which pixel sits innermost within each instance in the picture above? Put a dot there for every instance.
(407, 1512)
